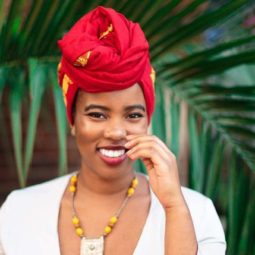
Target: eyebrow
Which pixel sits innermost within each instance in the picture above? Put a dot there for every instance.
(135, 106)
(96, 106)
(127, 108)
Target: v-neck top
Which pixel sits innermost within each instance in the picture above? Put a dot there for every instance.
(21, 233)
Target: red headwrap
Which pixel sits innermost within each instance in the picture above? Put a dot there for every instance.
(104, 52)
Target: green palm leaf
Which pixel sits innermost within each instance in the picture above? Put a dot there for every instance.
(205, 81)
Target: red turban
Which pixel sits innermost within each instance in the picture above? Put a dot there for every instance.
(104, 52)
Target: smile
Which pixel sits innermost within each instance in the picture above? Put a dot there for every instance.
(112, 153)
(112, 156)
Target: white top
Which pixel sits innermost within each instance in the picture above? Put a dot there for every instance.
(21, 233)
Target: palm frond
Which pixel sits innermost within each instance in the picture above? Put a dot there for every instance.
(209, 81)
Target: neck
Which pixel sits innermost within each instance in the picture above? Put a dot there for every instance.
(92, 183)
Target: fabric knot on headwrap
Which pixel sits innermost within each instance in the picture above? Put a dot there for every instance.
(104, 52)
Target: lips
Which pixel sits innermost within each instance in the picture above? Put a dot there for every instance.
(112, 155)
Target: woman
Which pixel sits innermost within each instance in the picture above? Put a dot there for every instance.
(106, 208)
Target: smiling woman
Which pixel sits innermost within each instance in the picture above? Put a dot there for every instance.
(105, 207)
(101, 126)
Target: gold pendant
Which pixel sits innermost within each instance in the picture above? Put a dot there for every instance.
(91, 246)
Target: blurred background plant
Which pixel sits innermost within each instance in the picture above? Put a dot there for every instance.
(203, 53)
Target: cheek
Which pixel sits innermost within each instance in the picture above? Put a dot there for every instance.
(141, 128)
(87, 132)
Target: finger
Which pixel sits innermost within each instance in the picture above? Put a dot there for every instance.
(136, 138)
(145, 154)
(148, 164)
(150, 146)
(157, 157)
(142, 138)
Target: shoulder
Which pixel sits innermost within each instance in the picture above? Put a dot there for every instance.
(197, 203)
(32, 205)
(204, 215)
(200, 206)
(36, 194)
(195, 200)
(36, 210)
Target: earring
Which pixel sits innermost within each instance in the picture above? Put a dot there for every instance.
(73, 130)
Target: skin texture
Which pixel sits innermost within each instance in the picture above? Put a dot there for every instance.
(119, 119)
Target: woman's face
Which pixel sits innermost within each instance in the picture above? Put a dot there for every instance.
(101, 123)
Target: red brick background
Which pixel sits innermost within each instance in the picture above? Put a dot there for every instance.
(45, 158)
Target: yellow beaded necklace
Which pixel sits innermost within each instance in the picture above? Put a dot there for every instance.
(95, 246)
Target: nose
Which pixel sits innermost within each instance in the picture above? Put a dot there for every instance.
(115, 131)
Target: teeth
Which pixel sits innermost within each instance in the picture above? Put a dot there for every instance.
(112, 153)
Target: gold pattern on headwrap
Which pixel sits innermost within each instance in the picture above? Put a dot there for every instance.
(104, 34)
(65, 86)
(153, 76)
(59, 66)
(83, 59)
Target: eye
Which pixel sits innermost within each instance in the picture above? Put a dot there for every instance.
(96, 115)
(135, 115)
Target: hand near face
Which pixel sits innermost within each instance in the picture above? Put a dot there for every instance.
(161, 167)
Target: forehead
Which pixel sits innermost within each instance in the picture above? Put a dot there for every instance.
(125, 97)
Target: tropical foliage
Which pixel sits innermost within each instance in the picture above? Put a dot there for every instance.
(204, 56)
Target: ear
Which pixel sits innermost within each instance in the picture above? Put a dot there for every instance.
(73, 130)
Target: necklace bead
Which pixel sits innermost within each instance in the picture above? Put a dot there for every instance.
(131, 192)
(112, 221)
(76, 221)
(107, 230)
(74, 179)
(72, 188)
(134, 183)
(79, 231)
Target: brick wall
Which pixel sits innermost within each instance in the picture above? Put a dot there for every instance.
(45, 158)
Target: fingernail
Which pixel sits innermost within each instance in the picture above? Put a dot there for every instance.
(127, 145)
